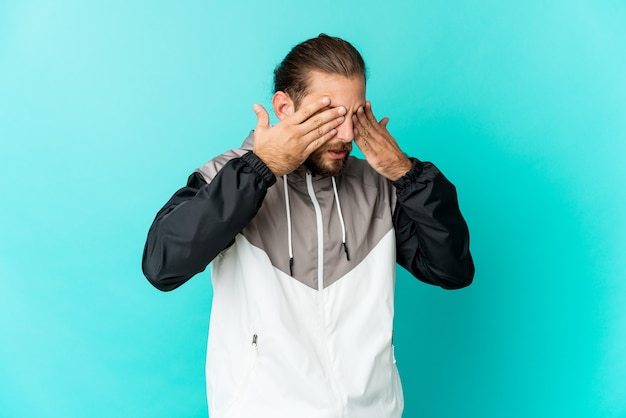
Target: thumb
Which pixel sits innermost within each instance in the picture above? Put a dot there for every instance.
(263, 118)
(383, 123)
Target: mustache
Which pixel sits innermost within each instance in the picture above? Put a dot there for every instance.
(342, 146)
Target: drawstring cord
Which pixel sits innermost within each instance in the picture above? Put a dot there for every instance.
(343, 226)
(288, 210)
(288, 225)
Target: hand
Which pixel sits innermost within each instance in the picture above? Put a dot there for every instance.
(379, 148)
(286, 145)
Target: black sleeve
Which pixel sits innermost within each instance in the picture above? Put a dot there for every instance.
(202, 219)
(432, 238)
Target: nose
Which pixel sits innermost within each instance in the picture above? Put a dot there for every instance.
(345, 131)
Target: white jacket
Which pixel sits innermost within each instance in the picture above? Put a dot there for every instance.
(303, 284)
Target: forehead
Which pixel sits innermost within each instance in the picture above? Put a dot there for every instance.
(342, 91)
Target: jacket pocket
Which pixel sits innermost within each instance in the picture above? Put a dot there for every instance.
(241, 396)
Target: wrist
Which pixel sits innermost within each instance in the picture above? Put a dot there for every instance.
(411, 175)
(401, 170)
(259, 166)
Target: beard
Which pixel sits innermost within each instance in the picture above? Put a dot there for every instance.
(320, 163)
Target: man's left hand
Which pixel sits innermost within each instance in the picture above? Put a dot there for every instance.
(379, 148)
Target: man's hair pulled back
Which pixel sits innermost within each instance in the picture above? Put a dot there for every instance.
(326, 54)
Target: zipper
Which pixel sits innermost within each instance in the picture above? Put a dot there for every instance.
(320, 232)
(320, 294)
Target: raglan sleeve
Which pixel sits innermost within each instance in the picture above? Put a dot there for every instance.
(202, 219)
(432, 238)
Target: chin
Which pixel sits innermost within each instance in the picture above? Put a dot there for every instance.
(328, 167)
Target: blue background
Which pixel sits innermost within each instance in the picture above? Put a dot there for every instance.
(107, 106)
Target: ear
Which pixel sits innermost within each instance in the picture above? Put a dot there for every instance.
(283, 105)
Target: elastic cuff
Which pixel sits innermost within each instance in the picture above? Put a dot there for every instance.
(259, 166)
(411, 176)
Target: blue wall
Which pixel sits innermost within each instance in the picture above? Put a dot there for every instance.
(107, 106)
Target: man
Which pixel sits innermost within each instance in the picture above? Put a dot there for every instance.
(303, 241)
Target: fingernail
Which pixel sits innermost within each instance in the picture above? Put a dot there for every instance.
(340, 119)
(325, 100)
(341, 110)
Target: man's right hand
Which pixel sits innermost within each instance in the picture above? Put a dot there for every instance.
(286, 145)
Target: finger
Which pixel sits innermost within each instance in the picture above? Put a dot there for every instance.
(320, 141)
(323, 116)
(263, 118)
(318, 131)
(310, 109)
(323, 121)
(360, 140)
(363, 121)
(363, 127)
(370, 114)
(357, 124)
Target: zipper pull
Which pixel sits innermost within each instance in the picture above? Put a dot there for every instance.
(254, 338)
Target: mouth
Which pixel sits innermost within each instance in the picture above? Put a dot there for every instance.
(339, 151)
(337, 154)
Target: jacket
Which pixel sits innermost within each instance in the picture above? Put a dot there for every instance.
(303, 275)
